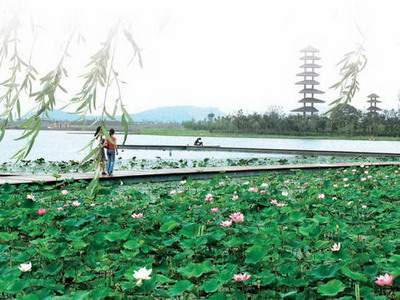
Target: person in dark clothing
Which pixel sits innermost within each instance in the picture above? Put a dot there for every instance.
(112, 150)
(198, 142)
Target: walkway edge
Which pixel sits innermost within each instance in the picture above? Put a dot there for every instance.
(161, 175)
(257, 150)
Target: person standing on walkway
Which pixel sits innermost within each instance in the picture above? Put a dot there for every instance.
(101, 156)
(112, 149)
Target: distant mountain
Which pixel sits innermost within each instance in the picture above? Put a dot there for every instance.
(58, 115)
(167, 114)
(177, 114)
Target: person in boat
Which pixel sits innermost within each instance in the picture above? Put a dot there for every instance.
(198, 142)
(101, 155)
(112, 150)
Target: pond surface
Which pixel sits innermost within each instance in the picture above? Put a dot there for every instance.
(64, 145)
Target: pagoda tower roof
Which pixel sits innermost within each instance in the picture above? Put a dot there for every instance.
(308, 73)
(311, 100)
(308, 82)
(311, 91)
(374, 101)
(373, 95)
(309, 49)
(310, 57)
(310, 66)
(374, 108)
(305, 109)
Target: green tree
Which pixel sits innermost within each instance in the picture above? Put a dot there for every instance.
(23, 82)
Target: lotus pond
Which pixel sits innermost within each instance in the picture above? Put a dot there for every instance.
(41, 166)
(299, 235)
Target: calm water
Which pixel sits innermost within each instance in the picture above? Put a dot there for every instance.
(62, 145)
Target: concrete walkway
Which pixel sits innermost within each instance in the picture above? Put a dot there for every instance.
(179, 174)
(258, 150)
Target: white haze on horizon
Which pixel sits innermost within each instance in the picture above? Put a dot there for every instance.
(225, 53)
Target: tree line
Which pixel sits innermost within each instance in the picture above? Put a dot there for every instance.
(344, 120)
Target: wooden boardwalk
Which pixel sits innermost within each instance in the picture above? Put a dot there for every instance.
(258, 150)
(178, 174)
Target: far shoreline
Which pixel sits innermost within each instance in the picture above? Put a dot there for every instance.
(205, 133)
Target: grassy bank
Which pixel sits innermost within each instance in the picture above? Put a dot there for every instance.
(206, 133)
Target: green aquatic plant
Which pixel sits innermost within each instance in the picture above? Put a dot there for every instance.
(41, 166)
(303, 235)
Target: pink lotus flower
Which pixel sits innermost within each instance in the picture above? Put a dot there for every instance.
(64, 192)
(384, 280)
(237, 217)
(253, 190)
(214, 209)
(41, 211)
(277, 203)
(209, 198)
(137, 216)
(321, 196)
(336, 247)
(76, 203)
(235, 197)
(227, 223)
(241, 277)
(60, 208)
(364, 206)
(285, 193)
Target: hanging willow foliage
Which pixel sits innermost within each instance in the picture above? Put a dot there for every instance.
(351, 66)
(13, 87)
(99, 78)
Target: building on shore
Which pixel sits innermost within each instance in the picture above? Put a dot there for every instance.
(309, 73)
(373, 100)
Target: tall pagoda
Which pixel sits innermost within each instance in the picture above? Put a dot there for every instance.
(373, 100)
(309, 57)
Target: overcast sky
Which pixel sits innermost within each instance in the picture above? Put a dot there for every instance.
(226, 53)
